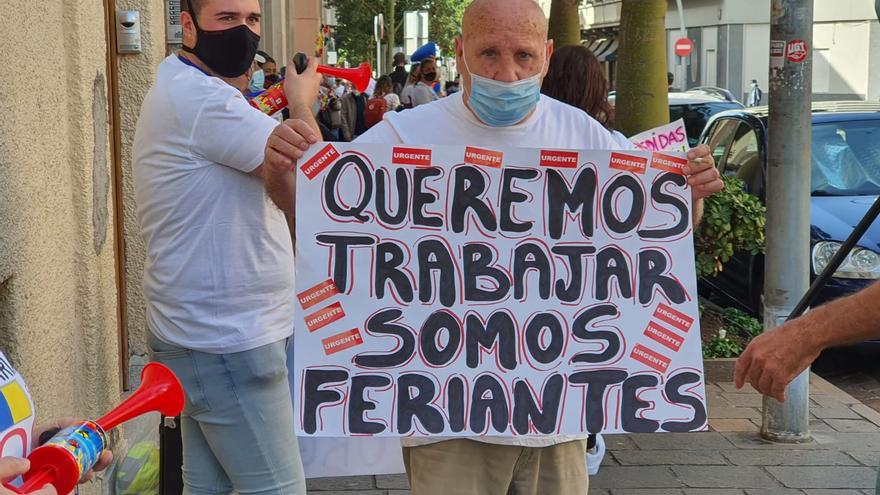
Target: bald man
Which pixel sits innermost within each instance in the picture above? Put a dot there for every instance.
(503, 53)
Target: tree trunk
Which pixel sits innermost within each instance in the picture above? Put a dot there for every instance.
(565, 23)
(390, 35)
(642, 101)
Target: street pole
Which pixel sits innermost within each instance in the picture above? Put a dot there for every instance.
(682, 61)
(787, 261)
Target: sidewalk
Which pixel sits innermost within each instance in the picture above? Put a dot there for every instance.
(728, 460)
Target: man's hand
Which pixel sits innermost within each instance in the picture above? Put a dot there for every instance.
(13, 467)
(301, 90)
(287, 144)
(702, 175)
(59, 424)
(773, 359)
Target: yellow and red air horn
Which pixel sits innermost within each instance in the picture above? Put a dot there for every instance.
(272, 99)
(73, 451)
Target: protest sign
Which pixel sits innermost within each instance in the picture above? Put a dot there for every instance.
(455, 290)
(669, 137)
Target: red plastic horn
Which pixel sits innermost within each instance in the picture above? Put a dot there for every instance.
(359, 76)
(73, 451)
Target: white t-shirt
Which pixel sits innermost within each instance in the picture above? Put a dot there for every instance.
(218, 276)
(393, 101)
(16, 412)
(448, 121)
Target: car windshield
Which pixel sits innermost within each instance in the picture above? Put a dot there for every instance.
(696, 115)
(846, 158)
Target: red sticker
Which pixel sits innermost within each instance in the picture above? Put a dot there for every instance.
(629, 163)
(325, 316)
(650, 358)
(323, 291)
(483, 158)
(561, 159)
(796, 51)
(665, 337)
(411, 156)
(320, 161)
(668, 163)
(674, 317)
(342, 341)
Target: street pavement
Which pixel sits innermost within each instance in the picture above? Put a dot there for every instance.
(854, 370)
(731, 459)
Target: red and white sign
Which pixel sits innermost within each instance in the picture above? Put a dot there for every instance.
(665, 337)
(483, 158)
(320, 161)
(342, 341)
(324, 316)
(561, 159)
(668, 163)
(674, 317)
(683, 47)
(796, 51)
(411, 156)
(650, 358)
(630, 163)
(321, 292)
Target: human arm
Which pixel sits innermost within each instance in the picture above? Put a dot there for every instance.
(772, 360)
(292, 138)
(703, 177)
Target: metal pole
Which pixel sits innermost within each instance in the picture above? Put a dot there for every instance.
(787, 262)
(682, 61)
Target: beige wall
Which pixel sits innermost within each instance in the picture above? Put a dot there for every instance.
(305, 21)
(58, 301)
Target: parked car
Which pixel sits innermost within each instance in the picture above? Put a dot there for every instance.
(714, 91)
(845, 178)
(695, 108)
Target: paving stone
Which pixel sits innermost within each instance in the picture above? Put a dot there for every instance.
(731, 387)
(744, 400)
(733, 413)
(723, 477)
(718, 424)
(868, 492)
(608, 459)
(598, 491)
(809, 477)
(829, 401)
(398, 492)
(713, 491)
(646, 491)
(867, 412)
(834, 413)
(820, 426)
(852, 425)
(833, 492)
(617, 477)
(751, 440)
(849, 441)
(678, 457)
(673, 441)
(773, 491)
(788, 458)
(871, 459)
(619, 442)
(341, 483)
(398, 481)
(347, 492)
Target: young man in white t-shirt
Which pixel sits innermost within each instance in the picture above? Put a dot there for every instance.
(503, 54)
(218, 277)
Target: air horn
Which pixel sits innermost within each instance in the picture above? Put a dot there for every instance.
(272, 99)
(73, 451)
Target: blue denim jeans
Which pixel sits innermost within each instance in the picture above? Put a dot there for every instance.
(237, 424)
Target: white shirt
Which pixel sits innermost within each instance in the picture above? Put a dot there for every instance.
(418, 94)
(218, 276)
(393, 101)
(17, 416)
(553, 124)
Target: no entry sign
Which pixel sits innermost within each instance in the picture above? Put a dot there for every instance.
(683, 47)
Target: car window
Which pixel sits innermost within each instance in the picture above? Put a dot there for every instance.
(846, 158)
(743, 159)
(719, 137)
(696, 115)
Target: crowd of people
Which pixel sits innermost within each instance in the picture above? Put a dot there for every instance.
(218, 278)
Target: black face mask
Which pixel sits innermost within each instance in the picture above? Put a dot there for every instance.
(430, 76)
(229, 52)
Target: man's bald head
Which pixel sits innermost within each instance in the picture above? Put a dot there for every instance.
(524, 16)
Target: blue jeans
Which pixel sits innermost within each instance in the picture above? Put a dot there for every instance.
(237, 424)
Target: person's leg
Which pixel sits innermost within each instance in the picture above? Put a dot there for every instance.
(552, 470)
(250, 425)
(202, 473)
(460, 467)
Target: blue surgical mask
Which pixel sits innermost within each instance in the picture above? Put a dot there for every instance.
(503, 104)
(257, 80)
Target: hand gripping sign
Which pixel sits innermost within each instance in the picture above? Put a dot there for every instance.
(456, 290)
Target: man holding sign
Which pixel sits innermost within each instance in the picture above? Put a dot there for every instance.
(503, 52)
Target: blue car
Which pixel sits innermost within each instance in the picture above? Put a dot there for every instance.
(845, 178)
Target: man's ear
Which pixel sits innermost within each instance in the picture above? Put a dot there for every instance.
(189, 29)
(549, 53)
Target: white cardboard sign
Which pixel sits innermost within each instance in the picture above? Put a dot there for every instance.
(669, 137)
(456, 291)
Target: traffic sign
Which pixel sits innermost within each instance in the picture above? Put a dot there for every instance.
(683, 47)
